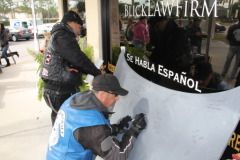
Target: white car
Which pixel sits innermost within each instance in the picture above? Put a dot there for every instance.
(19, 33)
(47, 27)
(43, 28)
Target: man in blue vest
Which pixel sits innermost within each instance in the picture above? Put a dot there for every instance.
(82, 129)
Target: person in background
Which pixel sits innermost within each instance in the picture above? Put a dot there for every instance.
(129, 30)
(47, 36)
(141, 33)
(64, 63)
(233, 36)
(120, 24)
(4, 45)
(82, 129)
(209, 80)
(171, 48)
(196, 36)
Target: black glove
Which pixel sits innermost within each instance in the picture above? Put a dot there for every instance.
(119, 128)
(138, 124)
(124, 123)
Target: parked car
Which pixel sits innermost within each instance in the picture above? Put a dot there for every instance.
(47, 27)
(42, 29)
(20, 33)
(219, 27)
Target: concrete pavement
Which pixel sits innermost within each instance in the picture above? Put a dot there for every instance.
(24, 121)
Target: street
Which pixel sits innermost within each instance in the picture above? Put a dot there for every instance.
(25, 121)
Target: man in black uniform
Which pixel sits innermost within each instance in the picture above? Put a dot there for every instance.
(171, 48)
(64, 63)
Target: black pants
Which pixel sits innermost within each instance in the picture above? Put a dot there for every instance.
(237, 80)
(55, 99)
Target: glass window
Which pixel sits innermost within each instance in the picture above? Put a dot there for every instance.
(24, 24)
(185, 47)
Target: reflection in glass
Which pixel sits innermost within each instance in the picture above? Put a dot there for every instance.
(180, 45)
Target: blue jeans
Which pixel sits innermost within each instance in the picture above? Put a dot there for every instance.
(4, 53)
(233, 50)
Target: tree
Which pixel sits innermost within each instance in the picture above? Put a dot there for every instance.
(46, 8)
(24, 8)
(81, 6)
(235, 9)
(5, 6)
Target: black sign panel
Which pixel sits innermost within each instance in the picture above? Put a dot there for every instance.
(233, 149)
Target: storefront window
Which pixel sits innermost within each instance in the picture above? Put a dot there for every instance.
(176, 46)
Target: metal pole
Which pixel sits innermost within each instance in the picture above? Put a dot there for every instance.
(209, 34)
(36, 43)
(210, 24)
(229, 8)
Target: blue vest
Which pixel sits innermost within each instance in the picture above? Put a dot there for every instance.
(62, 144)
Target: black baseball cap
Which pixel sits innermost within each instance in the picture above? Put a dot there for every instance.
(71, 16)
(108, 83)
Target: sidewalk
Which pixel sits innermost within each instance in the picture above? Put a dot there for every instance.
(218, 53)
(25, 121)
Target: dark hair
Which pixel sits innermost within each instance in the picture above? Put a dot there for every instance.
(71, 16)
(161, 18)
(203, 70)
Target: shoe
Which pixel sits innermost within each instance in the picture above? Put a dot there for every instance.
(15, 53)
(8, 65)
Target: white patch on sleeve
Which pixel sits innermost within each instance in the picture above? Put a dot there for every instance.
(106, 144)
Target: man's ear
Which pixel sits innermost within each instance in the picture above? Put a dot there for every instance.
(101, 95)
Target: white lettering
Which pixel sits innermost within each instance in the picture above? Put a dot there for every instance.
(176, 78)
(157, 9)
(194, 8)
(126, 10)
(143, 10)
(205, 7)
(190, 83)
(177, 9)
(166, 7)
